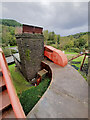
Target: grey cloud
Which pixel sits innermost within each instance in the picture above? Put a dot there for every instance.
(53, 16)
(69, 16)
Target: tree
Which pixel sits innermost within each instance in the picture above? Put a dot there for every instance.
(51, 37)
(46, 36)
(76, 43)
(80, 43)
(8, 35)
(58, 39)
(9, 22)
(55, 39)
(71, 37)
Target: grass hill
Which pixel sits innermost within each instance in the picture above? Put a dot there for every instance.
(9, 22)
(74, 43)
(78, 35)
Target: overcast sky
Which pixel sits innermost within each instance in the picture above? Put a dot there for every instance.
(63, 18)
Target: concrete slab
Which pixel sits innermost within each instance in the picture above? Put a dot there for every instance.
(16, 55)
(9, 59)
(66, 97)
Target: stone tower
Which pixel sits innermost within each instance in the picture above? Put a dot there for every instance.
(30, 43)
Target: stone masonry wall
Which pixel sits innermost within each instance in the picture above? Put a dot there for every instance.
(31, 50)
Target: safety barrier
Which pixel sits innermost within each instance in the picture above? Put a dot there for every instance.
(17, 108)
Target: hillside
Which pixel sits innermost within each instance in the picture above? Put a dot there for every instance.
(9, 22)
(75, 43)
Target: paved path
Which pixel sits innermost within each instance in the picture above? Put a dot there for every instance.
(66, 97)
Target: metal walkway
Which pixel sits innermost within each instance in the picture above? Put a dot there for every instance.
(66, 97)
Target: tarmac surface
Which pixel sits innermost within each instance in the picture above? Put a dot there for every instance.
(66, 97)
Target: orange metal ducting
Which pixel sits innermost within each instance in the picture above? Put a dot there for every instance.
(57, 56)
(17, 108)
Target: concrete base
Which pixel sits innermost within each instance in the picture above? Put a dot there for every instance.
(66, 97)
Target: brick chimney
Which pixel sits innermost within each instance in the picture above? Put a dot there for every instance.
(30, 41)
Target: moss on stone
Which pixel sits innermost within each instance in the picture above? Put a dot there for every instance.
(27, 53)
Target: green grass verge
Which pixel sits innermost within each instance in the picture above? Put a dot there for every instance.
(69, 56)
(28, 95)
(18, 80)
(10, 46)
(31, 96)
(66, 52)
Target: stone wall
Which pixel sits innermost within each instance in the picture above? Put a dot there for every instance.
(31, 50)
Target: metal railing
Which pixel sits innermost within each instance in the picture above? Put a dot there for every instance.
(17, 108)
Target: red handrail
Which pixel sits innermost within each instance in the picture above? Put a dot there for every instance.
(17, 108)
(76, 56)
